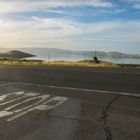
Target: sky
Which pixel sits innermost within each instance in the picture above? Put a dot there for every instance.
(103, 25)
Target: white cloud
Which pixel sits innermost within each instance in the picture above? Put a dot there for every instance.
(61, 32)
(136, 6)
(35, 5)
(105, 11)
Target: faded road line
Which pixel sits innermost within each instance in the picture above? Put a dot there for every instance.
(16, 107)
(81, 89)
(5, 84)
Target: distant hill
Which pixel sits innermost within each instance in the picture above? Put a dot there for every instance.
(59, 52)
(122, 55)
(54, 52)
(15, 55)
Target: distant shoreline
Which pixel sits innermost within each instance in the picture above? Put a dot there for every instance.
(129, 65)
(53, 54)
(79, 58)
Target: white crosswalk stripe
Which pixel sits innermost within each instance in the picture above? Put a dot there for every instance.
(23, 103)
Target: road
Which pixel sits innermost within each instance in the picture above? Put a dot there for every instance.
(55, 103)
(124, 80)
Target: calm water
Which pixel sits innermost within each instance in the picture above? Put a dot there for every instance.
(78, 58)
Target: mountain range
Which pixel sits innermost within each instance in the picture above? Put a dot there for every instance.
(61, 52)
(43, 52)
(15, 55)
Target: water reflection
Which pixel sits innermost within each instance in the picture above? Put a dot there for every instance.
(78, 58)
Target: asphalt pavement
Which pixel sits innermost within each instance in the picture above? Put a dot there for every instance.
(56, 103)
(110, 79)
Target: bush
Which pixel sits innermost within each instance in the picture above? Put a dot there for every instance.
(96, 60)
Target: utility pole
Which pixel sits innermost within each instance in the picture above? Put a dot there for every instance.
(95, 54)
(49, 58)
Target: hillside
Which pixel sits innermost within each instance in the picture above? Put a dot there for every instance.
(89, 54)
(43, 52)
(15, 55)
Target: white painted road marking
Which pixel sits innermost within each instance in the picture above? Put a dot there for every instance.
(43, 98)
(2, 97)
(81, 89)
(22, 102)
(39, 103)
(5, 84)
(5, 113)
(18, 92)
(10, 101)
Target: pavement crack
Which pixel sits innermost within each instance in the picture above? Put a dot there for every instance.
(103, 118)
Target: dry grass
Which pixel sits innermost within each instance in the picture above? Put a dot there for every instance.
(84, 63)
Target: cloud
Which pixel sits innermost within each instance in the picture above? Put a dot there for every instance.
(43, 32)
(107, 11)
(136, 6)
(62, 23)
(35, 5)
(131, 1)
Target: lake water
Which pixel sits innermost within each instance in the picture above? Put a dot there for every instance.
(78, 58)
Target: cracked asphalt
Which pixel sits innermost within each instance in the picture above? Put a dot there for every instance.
(35, 111)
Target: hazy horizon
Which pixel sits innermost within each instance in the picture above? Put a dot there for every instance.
(102, 25)
(34, 48)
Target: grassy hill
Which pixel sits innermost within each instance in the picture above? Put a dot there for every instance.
(15, 55)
